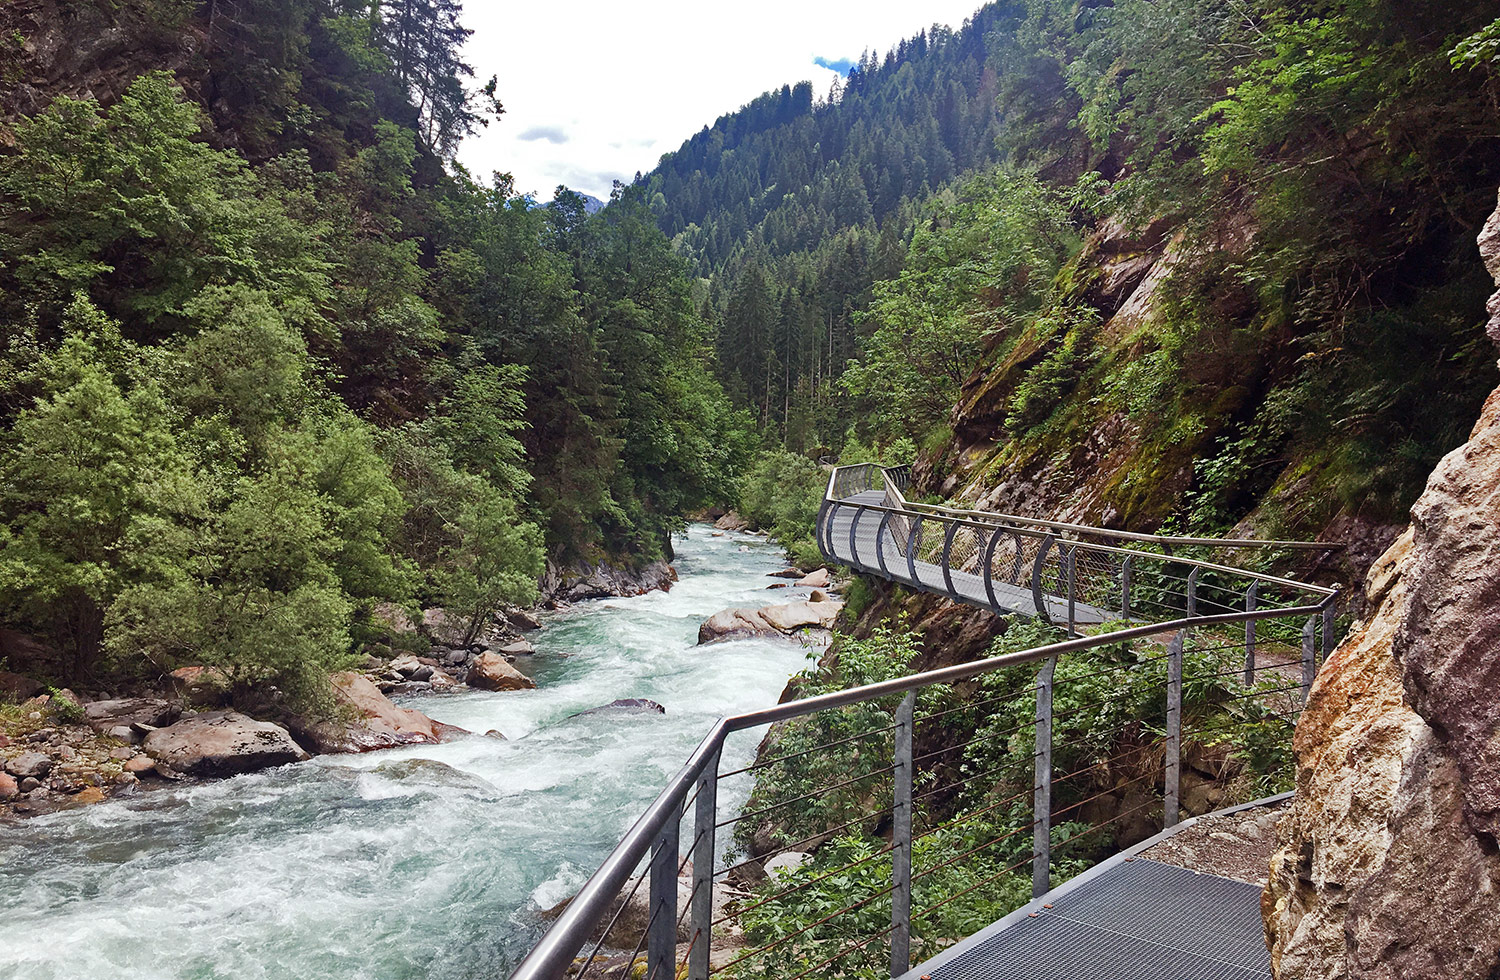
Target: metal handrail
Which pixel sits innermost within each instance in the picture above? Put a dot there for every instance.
(1101, 548)
(655, 831)
(1013, 519)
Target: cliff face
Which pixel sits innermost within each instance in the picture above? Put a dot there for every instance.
(1389, 866)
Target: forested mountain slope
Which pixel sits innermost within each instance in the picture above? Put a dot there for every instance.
(269, 361)
(1224, 272)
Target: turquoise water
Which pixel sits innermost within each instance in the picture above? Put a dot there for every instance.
(427, 861)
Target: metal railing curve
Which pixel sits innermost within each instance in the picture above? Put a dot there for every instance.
(1052, 570)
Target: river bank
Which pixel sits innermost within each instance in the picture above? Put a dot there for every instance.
(427, 860)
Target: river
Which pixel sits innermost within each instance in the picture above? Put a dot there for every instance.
(427, 861)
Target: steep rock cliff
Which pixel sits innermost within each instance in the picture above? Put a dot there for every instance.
(1389, 865)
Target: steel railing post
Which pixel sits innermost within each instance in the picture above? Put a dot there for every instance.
(989, 572)
(853, 546)
(824, 528)
(911, 549)
(1041, 799)
(947, 557)
(1309, 656)
(1192, 592)
(705, 815)
(1072, 561)
(1125, 571)
(1251, 595)
(1328, 627)
(1172, 795)
(880, 532)
(661, 938)
(901, 839)
(1036, 578)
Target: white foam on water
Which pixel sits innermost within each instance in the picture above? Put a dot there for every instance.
(423, 861)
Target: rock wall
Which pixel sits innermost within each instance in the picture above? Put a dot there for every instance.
(1389, 866)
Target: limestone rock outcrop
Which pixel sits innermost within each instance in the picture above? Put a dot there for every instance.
(1389, 865)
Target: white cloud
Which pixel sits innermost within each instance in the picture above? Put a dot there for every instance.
(597, 91)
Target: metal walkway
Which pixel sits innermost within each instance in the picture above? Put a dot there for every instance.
(1067, 574)
(1137, 920)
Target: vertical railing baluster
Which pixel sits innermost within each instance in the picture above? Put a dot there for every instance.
(1172, 795)
(947, 557)
(1251, 595)
(1309, 656)
(704, 817)
(901, 839)
(853, 547)
(1192, 592)
(1072, 590)
(1125, 573)
(1328, 626)
(989, 572)
(1037, 596)
(1041, 799)
(880, 533)
(912, 540)
(661, 939)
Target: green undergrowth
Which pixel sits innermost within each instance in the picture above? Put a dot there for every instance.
(975, 748)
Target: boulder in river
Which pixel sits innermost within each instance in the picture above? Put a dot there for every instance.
(625, 706)
(731, 522)
(9, 788)
(518, 648)
(522, 619)
(780, 620)
(222, 743)
(490, 672)
(377, 722)
(788, 572)
(103, 716)
(819, 579)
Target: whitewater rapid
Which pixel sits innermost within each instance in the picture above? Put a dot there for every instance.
(428, 861)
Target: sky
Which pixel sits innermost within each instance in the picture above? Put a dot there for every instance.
(595, 92)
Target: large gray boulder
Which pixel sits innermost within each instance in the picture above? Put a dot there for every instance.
(769, 621)
(103, 716)
(222, 743)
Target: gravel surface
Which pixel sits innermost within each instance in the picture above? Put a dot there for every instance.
(1237, 845)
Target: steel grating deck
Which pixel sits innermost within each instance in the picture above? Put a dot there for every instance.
(1139, 920)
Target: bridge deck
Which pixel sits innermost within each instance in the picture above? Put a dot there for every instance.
(1134, 920)
(967, 587)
